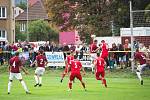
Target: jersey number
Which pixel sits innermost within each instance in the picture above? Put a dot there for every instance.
(76, 65)
(14, 64)
(41, 61)
(100, 63)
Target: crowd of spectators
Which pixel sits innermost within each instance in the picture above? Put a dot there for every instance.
(118, 54)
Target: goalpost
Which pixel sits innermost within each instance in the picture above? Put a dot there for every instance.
(138, 18)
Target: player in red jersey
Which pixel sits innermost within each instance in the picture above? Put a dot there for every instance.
(75, 68)
(41, 63)
(15, 65)
(69, 58)
(141, 58)
(104, 52)
(99, 70)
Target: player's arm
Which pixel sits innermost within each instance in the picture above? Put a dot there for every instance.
(97, 49)
(82, 69)
(9, 68)
(24, 70)
(33, 63)
(46, 62)
(69, 68)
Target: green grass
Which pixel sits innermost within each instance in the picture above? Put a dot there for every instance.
(121, 86)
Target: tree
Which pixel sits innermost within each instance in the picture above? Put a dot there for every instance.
(39, 30)
(94, 16)
(22, 5)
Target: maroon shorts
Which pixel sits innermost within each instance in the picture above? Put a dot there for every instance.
(75, 75)
(98, 74)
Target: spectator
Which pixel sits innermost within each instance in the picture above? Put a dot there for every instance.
(60, 48)
(46, 47)
(121, 55)
(72, 47)
(127, 47)
(113, 55)
(65, 49)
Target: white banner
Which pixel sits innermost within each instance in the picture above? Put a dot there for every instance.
(55, 58)
(86, 60)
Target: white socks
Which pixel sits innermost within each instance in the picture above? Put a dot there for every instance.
(36, 79)
(40, 80)
(24, 86)
(139, 75)
(9, 86)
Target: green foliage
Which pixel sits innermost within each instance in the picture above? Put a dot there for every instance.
(22, 5)
(89, 16)
(93, 16)
(39, 30)
(19, 35)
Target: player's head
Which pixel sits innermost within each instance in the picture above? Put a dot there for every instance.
(17, 54)
(98, 54)
(95, 41)
(137, 50)
(103, 41)
(75, 56)
(41, 51)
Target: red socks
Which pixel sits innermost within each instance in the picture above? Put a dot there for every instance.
(70, 85)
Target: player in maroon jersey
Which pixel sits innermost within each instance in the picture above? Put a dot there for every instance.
(141, 58)
(75, 68)
(99, 70)
(93, 50)
(15, 65)
(41, 63)
(69, 58)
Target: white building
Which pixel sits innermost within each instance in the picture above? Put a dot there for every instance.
(137, 31)
(18, 11)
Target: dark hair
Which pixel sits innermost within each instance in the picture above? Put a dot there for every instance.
(41, 51)
(17, 53)
(95, 40)
(75, 56)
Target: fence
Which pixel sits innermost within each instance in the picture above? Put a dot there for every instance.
(58, 59)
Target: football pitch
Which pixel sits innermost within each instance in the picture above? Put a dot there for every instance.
(52, 89)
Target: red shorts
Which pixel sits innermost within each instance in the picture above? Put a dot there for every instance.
(75, 75)
(102, 74)
(104, 55)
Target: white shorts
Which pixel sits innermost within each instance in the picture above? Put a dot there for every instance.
(140, 68)
(39, 70)
(93, 56)
(15, 75)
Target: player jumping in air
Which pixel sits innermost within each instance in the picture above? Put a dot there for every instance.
(75, 72)
(99, 70)
(69, 58)
(15, 65)
(104, 52)
(41, 63)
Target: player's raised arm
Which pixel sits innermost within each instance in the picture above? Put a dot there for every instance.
(33, 63)
(84, 73)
